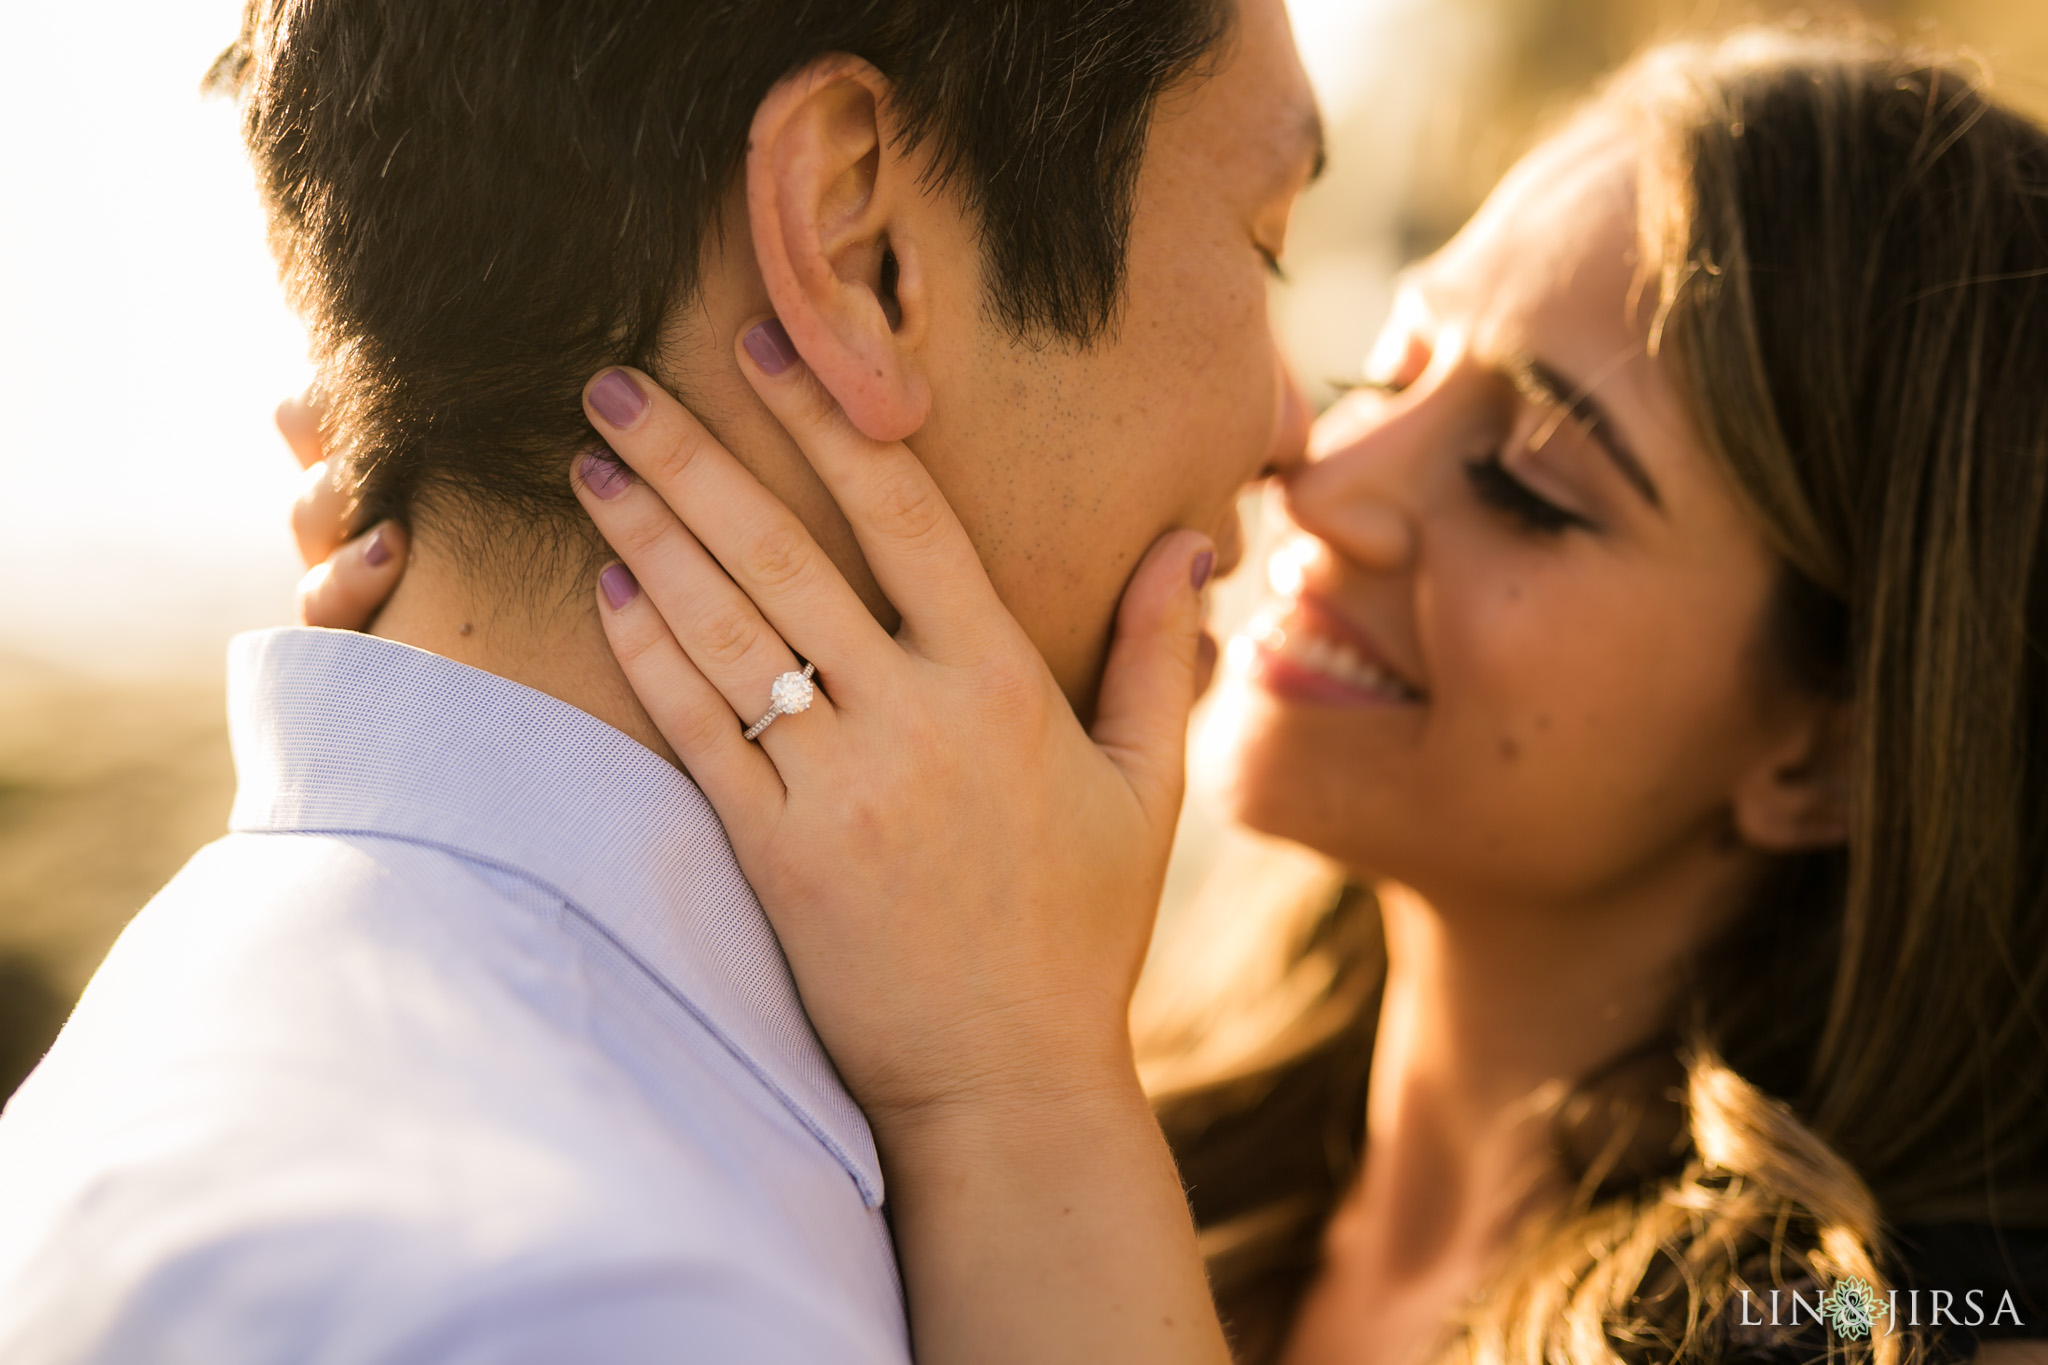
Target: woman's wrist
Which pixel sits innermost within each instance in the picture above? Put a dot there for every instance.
(1048, 1222)
(1048, 1108)
(1084, 1079)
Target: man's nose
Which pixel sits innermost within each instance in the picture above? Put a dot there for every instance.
(1291, 421)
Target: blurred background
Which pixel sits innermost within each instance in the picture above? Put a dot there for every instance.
(144, 344)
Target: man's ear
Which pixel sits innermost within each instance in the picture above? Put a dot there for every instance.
(1798, 797)
(834, 208)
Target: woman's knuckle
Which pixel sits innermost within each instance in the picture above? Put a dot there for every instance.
(314, 525)
(694, 729)
(775, 555)
(305, 517)
(639, 538)
(724, 635)
(312, 598)
(908, 507)
(633, 647)
(817, 408)
(1014, 687)
(669, 459)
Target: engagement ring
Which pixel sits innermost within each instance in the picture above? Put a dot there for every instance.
(789, 694)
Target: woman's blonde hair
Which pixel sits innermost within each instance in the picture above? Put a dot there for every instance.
(1848, 248)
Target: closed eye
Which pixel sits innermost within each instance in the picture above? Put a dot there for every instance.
(1494, 486)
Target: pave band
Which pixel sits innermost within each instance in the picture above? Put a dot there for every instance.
(787, 695)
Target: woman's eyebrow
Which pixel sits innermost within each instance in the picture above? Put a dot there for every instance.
(1543, 385)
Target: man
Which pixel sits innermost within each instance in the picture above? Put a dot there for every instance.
(470, 1043)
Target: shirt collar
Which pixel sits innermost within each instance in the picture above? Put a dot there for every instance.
(340, 733)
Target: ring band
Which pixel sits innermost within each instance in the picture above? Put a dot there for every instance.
(787, 695)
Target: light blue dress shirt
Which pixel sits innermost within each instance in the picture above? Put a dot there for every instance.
(468, 1045)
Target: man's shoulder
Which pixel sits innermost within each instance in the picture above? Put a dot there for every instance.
(297, 1031)
(307, 1286)
(273, 954)
(365, 1003)
(276, 895)
(359, 1087)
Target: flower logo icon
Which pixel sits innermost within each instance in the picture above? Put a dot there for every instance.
(1853, 1308)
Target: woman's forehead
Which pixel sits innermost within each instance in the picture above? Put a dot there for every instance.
(1549, 271)
(1549, 263)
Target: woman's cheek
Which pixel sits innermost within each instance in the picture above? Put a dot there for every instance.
(1501, 662)
(1524, 706)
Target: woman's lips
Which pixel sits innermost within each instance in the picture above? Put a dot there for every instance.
(1298, 654)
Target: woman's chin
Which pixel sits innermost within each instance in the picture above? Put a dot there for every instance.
(1324, 778)
(1254, 763)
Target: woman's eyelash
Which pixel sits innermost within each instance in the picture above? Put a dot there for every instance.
(1491, 481)
(1499, 489)
(1273, 267)
(1386, 386)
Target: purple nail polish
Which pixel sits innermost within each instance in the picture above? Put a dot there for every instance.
(620, 587)
(1204, 566)
(378, 552)
(769, 344)
(617, 398)
(603, 475)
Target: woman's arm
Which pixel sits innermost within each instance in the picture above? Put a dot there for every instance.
(1048, 1227)
(963, 878)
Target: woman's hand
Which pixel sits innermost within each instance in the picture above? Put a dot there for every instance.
(963, 879)
(345, 583)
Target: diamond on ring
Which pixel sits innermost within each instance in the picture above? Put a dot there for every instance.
(787, 695)
(792, 692)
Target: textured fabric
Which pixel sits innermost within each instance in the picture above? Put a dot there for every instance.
(468, 1044)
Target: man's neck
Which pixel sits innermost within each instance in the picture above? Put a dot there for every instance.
(548, 638)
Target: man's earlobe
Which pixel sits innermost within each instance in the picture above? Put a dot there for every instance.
(1801, 798)
(834, 206)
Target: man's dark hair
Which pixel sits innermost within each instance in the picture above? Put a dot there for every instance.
(477, 204)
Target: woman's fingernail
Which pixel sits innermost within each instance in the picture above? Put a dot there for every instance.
(603, 474)
(617, 398)
(769, 344)
(378, 552)
(620, 587)
(1202, 569)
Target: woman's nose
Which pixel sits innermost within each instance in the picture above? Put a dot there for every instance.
(1347, 493)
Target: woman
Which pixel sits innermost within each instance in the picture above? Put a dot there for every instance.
(1657, 652)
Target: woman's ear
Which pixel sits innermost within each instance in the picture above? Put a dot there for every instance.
(834, 206)
(1798, 796)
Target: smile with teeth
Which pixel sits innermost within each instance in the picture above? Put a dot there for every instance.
(1336, 660)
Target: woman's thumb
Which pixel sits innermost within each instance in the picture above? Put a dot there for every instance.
(1141, 717)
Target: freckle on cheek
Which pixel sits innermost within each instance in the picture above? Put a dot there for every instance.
(1543, 725)
(1510, 748)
